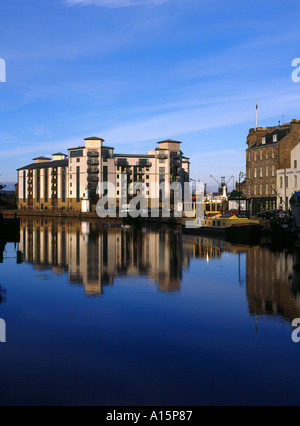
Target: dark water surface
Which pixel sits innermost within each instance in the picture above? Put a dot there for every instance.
(120, 316)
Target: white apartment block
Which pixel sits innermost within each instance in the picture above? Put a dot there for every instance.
(64, 182)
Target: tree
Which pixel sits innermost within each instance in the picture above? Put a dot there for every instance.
(235, 194)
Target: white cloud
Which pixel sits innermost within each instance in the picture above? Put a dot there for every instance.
(115, 3)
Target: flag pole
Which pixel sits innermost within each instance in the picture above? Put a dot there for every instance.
(256, 113)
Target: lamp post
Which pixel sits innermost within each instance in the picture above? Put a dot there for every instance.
(242, 175)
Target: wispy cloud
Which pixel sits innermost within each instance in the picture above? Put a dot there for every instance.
(115, 3)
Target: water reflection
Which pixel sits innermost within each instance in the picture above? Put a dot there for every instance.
(273, 283)
(93, 254)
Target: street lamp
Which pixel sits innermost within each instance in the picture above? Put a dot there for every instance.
(242, 175)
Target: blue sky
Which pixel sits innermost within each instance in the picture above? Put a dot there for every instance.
(138, 71)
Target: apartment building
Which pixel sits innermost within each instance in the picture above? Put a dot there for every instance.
(64, 182)
(269, 150)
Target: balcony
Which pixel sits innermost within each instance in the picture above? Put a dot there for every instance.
(93, 153)
(93, 178)
(121, 162)
(162, 156)
(92, 186)
(144, 163)
(93, 161)
(175, 161)
(93, 170)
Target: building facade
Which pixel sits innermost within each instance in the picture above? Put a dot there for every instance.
(63, 182)
(288, 180)
(269, 150)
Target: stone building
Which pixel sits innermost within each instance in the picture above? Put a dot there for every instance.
(269, 149)
(288, 179)
(65, 181)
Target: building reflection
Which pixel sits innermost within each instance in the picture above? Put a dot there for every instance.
(93, 255)
(273, 283)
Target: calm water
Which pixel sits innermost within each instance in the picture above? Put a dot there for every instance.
(122, 316)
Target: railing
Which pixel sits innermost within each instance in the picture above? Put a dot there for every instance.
(92, 185)
(93, 154)
(144, 163)
(93, 162)
(121, 162)
(93, 170)
(162, 156)
(93, 178)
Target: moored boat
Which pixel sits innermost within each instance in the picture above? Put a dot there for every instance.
(237, 227)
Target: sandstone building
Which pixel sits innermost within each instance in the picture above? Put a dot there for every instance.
(269, 150)
(63, 182)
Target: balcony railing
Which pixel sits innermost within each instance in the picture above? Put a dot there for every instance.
(121, 162)
(144, 163)
(93, 154)
(93, 162)
(92, 186)
(162, 156)
(93, 178)
(94, 170)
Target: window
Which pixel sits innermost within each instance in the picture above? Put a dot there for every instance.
(273, 170)
(24, 185)
(295, 180)
(249, 174)
(76, 153)
(281, 182)
(38, 181)
(273, 153)
(295, 164)
(77, 183)
(255, 156)
(46, 185)
(260, 189)
(261, 172)
(260, 154)
(267, 154)
(63, 184)
(255, 172)
(274, 138)
(105, 174)
(254, 189)
(267, 171)
(249, 156)
(263, 141)
(267, 189)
